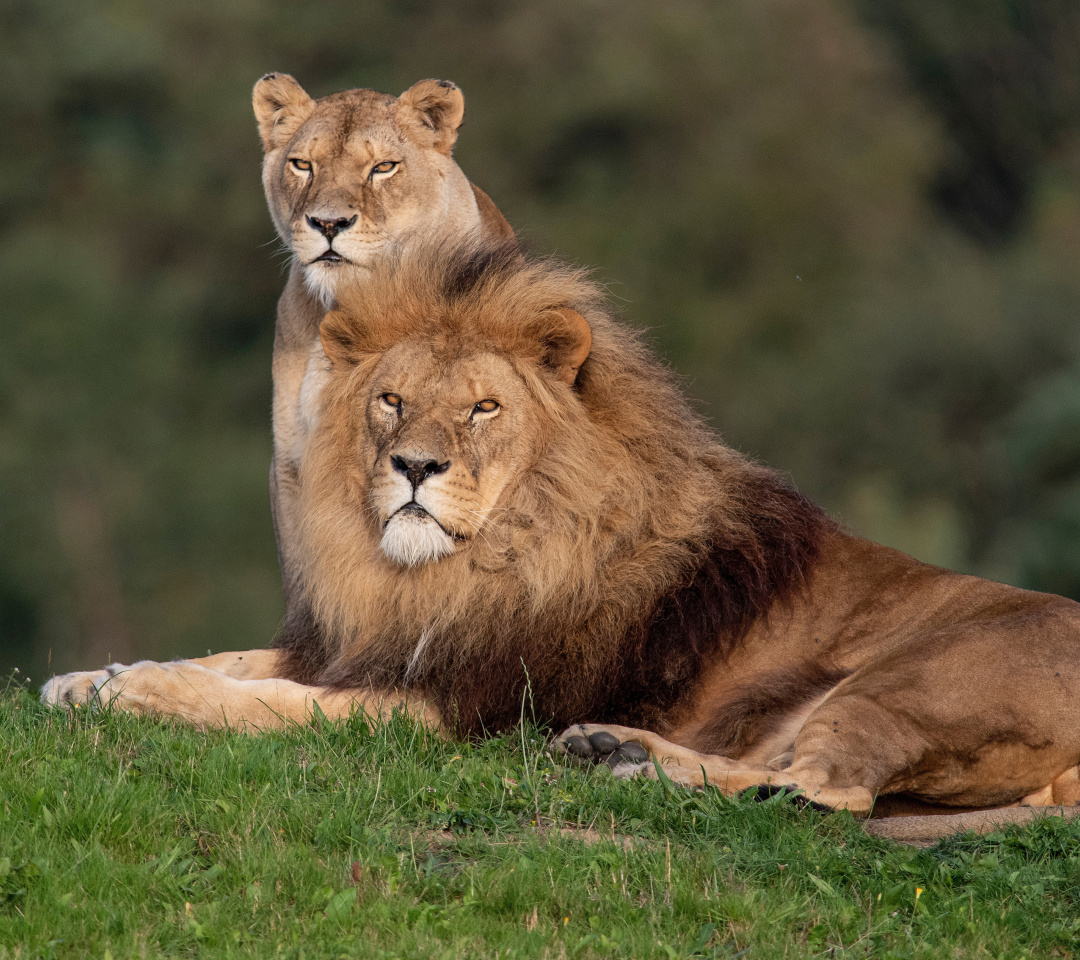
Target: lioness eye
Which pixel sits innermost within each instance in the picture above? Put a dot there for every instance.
(301, 166)
(385, 167)
(393, 401)
(485, 406)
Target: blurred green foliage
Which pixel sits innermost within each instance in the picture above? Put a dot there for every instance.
(854, 227)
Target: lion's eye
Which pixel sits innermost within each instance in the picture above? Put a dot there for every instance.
(381, 169)
(392, 401)
(485, 407)
(300, 166)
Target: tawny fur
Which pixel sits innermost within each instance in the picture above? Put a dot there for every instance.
(614, 562)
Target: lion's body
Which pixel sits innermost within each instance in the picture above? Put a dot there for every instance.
(492, 522)
(908, 678)
(342, 138)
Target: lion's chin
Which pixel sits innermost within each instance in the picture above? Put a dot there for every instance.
(414, 537)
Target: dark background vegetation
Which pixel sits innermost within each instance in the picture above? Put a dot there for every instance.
(853, 227)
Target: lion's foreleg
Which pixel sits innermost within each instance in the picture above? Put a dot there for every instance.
(207, 698)
(243, 664)
(692, 769)
(239, 664)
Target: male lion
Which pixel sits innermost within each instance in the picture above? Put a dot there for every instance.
(506, 500)
(345, 177)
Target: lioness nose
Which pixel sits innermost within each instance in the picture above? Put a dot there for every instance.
(417, 471)
(331, 228)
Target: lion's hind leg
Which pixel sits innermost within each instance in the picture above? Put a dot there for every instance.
(602, 742)
(1064, 791)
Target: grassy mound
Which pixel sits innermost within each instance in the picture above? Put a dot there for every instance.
(125, 836)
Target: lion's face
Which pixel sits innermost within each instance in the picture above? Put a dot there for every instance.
(445, 436)
(350, 173)
(440, 426)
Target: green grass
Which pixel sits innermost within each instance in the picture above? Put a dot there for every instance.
(123, 836)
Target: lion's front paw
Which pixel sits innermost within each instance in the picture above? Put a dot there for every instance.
(81, 687)
(590, 743)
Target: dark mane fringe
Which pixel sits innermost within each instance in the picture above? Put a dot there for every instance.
(303, 648)
(757, 707)
(735, 585)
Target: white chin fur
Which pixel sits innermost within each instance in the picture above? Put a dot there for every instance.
(412, 539)
(321, 279)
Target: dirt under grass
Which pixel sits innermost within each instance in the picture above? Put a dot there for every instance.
(123, 836)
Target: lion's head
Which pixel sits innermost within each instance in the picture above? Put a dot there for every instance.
(449, 418)
(347, 174)
(503, 483)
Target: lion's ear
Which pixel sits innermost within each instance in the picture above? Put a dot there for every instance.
(566, 339)
(343, 338)
(436, 108)
(281, 106)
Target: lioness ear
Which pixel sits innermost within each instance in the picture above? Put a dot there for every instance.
(437, 107)
(281, 106)
(343, 339)
(566, 340)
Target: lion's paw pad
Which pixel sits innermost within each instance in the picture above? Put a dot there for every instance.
(602, 747)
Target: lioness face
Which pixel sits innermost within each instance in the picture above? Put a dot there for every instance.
(348, 174)
(446, 433)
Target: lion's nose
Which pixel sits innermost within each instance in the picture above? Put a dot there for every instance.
(331, 228)
(417, 471)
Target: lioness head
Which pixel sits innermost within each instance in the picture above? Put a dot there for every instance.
(446, 412)
(349, 173)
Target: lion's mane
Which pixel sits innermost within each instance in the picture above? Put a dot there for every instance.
(636, 547)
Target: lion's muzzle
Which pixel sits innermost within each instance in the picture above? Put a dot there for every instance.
(412, 534)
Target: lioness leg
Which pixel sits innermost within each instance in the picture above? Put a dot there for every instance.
(208, 698)
(692, 769)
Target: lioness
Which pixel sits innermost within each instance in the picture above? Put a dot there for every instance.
(345, 177)
(507, 499)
